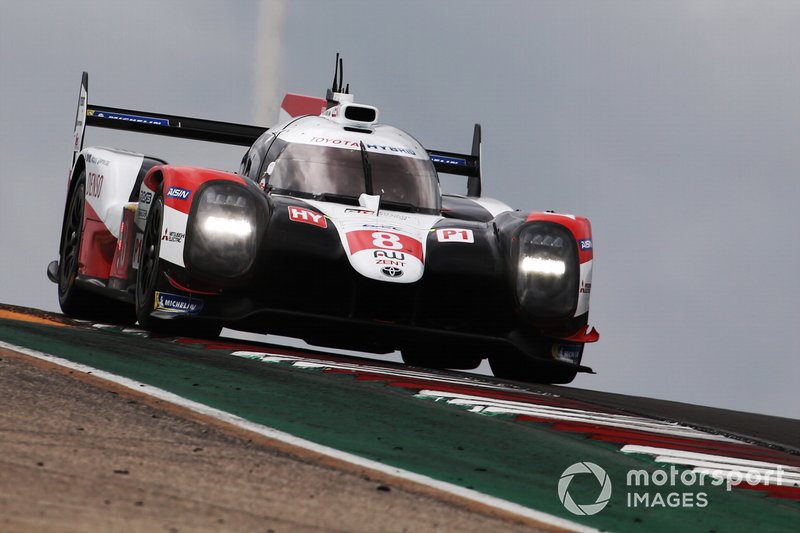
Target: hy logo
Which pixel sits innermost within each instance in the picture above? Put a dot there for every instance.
(602, 498)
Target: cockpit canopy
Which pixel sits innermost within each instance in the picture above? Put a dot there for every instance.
(403, 182)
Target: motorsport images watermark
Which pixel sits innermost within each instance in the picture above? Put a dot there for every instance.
(646, 489)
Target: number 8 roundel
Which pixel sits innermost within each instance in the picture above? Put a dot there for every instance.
(383, 240)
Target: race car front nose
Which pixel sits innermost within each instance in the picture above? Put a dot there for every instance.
(547, 270)
(222, 233)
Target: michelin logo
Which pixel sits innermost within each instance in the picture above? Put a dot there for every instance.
(176, 303)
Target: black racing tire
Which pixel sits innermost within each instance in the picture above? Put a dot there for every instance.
(147, 281)
(74, 300)
(149, 267)
(520, 368)
(439, 357)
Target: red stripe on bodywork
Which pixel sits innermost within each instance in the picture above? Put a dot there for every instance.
(124, 248)
(579, 226)
(186, 178)
(380, 239)
(97, 246)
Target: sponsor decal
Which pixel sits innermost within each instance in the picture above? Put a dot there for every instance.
(586, 288)
(137, 251)
(570, 353)
(585, 244)
(93, 159)
(380, 226)
(357, 144)
(177, 192)
(448, 160)
(360, 211)
(146, 197)
(383, 240)
(382, 254)
(94, 185)
(455, 235)
(390, 262)
(173, 236)
(392, 214)
(141, 214)
(175, 302)
(307, 216)
(129, 118)
(392, 271)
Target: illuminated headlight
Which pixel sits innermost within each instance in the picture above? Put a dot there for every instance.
(227, 227)
(540, 265)
(223, 240)
(547, 270)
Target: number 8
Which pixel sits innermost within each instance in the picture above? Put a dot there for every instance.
(387, 241)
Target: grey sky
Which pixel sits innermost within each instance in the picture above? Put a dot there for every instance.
(674, 126)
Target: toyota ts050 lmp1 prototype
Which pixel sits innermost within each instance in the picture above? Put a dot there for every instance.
(333, 230)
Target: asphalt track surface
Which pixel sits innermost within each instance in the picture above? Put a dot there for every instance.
(81, 454)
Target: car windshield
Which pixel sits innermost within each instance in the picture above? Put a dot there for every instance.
(406, 182)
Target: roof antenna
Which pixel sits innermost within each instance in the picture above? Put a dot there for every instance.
(335, 94)
(335, 73)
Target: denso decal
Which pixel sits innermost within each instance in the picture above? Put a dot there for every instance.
(383, 240)
(178, 303)
(94, 185)
(585, 244)
(307, 216)
(177, 192)
(455, 235)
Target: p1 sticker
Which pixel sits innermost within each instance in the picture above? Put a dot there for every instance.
(455, 235)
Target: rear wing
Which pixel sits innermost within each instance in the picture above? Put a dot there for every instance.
(197, 129)
(462, 164)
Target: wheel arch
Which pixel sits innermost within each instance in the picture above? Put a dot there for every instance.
(80, 166)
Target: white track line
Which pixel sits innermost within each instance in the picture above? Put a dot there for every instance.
(467, 494)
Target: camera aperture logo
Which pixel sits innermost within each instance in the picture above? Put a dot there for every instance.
(661, 488)
(588, 508)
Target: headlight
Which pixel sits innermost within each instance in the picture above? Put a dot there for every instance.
(235, 228)
(547, 270)
(223, 233)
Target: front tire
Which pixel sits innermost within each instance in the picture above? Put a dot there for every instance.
(439, 356)
(521, 368)
(147, 282)
(149, 267)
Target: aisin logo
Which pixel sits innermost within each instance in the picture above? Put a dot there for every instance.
(602, 498)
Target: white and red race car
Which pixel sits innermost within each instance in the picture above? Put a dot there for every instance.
(333, 230)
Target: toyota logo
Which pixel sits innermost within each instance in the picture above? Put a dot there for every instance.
(392, 272)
